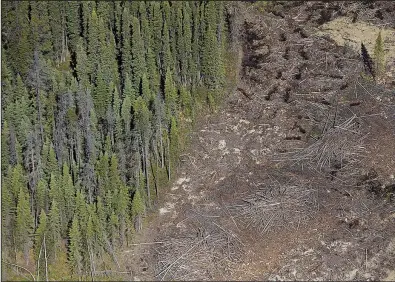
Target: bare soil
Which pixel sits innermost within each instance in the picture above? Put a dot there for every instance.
(293, 178)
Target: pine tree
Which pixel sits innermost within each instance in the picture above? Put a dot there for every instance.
(211, 53)
(42, 196)
(167, 62)
(57, 22)
(24, 224)
(122, 211)
(152, 72)
(156, 23)
(195, 57)
(73, 23)
(69, 193)
(174, 139)
(379, 56)
(146, 92)
(54, 231)
(18, 38)
(126, 114)
(113, 174)
(75, 257)
(5, 146)
(170, 96)
(82, 67)
(186, 101)
(126, 50)
(51, 162)
(137, 210)
(40, 27)
(145, 30)
(187, 42)
(113, 228)
(39, 250)
(142, 122)
(18, 181)
(93, 45)
(138, 58)
(101, 95)
(102, 175)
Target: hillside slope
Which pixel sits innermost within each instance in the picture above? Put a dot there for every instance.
(293, 178)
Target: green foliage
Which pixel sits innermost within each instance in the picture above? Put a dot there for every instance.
(137, 204)
(54, 231)
(95, 100)
(170, 96)
(75, 257)
(24, 222)
(379, 58)
(39, 251)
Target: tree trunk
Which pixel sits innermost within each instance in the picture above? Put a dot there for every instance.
(146, 161)
(168, 156)
(161, 146)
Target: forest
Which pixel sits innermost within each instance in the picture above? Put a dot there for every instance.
(97, 99)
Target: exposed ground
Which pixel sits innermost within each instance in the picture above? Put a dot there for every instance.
(293, 178)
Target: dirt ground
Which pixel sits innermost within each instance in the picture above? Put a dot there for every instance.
(293, 178)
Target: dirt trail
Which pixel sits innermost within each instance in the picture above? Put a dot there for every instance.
(240, 210)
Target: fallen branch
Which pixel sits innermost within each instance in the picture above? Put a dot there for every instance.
(184, 254)
(21, 267)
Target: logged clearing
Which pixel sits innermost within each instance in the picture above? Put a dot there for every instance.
(293, 178)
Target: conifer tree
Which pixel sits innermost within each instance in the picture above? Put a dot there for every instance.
(142, 122)
(75, 257)
(101, 95)
(379, 55)
(93, 45)
(137, 210)
(5, 146)
(156, 24)
(42, 196)
(126, 51)
(73, 23)
(170, 96)
(113, 228)
(138, 58)
(152, 72)
(145, 30)
(187, 42)
(24, 224)
(40, 26)
(18, 39)
(57, 22)
(167, 62)
(69, 193)
(39, 248)
(54, 231)
(82, 67)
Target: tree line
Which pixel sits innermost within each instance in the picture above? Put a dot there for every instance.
(94, 95)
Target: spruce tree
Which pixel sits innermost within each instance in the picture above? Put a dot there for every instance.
(170, 96)
(24, 224)
(42, 196)
(39, 246)
(138, 55)
(40, 27)
(5, 146)
(379, 55)
(54, 230)
(69, 193)
(75, 241)
(137, 210)
(73, 23)
(93, 45)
